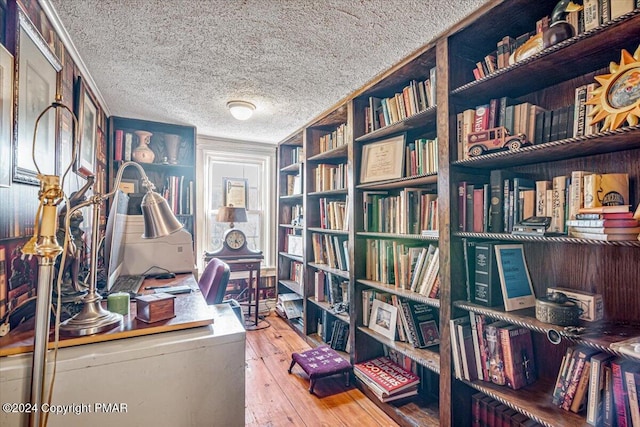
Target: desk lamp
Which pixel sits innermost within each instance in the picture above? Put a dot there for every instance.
(158, 219)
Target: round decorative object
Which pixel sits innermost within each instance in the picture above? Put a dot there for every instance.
(618, 98)
(142, 153)
(235, 239)
(557, 309)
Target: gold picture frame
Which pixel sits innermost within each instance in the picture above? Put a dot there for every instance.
(383, 160)
(617, 100)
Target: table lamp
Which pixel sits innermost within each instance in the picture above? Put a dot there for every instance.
(231, 214)
(234, 241)
(159, 221)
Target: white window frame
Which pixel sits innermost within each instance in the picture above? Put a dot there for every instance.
(215, 150)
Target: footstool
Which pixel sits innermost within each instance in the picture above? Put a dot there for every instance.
(320, 362)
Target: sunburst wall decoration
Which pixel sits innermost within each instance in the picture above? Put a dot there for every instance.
(618, 98)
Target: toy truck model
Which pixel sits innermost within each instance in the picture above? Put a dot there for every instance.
(494, 139)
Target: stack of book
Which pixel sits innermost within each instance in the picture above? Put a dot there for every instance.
(608, 223)
(386, 379)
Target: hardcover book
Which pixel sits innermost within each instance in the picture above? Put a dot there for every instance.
(596, 388)
(609, 189)
(517, 350)
(387, 375)
(496, 358)
(582, 356)
(487, 289)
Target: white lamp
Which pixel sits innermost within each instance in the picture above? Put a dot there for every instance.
(241, 110)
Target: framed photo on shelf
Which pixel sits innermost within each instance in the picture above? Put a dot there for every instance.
(87, 113)
(37, 73)
(235, 192)
(515, 281)
(6, 116)
(383, 160)
(383, 319)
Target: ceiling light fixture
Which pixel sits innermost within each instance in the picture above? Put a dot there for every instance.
(241, 110)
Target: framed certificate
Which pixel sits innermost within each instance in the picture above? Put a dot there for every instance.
(515, 281)
(383, 160)
(235, 192)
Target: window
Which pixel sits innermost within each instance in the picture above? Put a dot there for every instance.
(219, 160)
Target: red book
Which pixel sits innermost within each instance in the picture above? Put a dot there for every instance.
(475, 409)
(117, 155)
(620, 393)
(606, 223)
(481, 118)
(582, 356)
(612, 215)
(517, 351)
(389, 376)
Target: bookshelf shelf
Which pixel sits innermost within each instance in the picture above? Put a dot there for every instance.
(546, 239)
(327, 307)
(327, 269)
(429, 357)
(600, 143)
(528, 401)
(292, 285)
(337, 192)
(327, 230)
(405, 293)
(291, 227)
(337, 153)
(291, 257)
(291, 198)
(429, 237)
(410, 181)
(423, 119)
(292, 168)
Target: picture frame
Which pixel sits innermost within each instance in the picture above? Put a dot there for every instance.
(87, 114)
(383, 160)
(6, 115)
(36, 69)
(515, 281)
(235, 192)
(383, 319)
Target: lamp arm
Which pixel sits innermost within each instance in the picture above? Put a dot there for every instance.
(116, 182)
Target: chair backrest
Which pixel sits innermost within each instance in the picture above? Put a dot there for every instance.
(214, 280)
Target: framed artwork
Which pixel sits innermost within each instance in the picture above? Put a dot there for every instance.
(515, 281)
(6, 113)
(383, 319)
(235, 192)
(87, 113)
(128, 186)
(36, 69)
(383, 160)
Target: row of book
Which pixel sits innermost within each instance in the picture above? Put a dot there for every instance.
(405, 267)
(492, 351)
(18, 214)
(411, 211)
(296, 272)
(334, 214)
(605, 386)
(330, 177)
(594, 14)
(386, 379)
(330, 250)
(335, 139)
(421, 157)
(330, 288)
(292, 214)
(334, 331)
(415, 97)
(487, 412)
(297, 155)
(178, 191)
(294, 184)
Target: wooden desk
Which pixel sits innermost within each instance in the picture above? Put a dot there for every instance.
(191, 311)
(251, 265)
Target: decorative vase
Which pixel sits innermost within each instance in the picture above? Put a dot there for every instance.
(142, 153)
(172, 145)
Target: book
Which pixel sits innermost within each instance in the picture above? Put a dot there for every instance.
(620, 7)
(604, 237)
(424, 319)
(479, 362)
(604, 209)
(558, 207)
(496, 358)
(387, 375)
(517, 350)
(496, 210)
(629, 223)
(541, 197)
(576, 193)
(581, 356)
(579, 400)
(487, 290)
(620, 215)
(128, 146)
(591, 13)
(119, 143)
(456, 353)
(606, 230)
(609, 408)
(631, 379)
(619, 393)
(558, 391)
(467, 355)
(596, 388)
(609, 189)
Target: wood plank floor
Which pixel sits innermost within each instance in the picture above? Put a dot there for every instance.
(276, 398)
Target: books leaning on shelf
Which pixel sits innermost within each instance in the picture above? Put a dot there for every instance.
(387, 380)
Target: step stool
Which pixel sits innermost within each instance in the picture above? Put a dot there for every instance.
(320, 362)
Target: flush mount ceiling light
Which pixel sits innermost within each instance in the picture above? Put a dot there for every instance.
(241, 110)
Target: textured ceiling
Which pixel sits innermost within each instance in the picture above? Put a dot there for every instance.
(180, 61)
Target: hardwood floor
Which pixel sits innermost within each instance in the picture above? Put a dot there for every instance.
(276, 398)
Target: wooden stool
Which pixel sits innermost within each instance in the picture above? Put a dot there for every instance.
(320, 362)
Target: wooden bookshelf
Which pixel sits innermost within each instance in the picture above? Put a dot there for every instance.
(548, 79)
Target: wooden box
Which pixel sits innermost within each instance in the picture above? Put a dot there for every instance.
(155, 307)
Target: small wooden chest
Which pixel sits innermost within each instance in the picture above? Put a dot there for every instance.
(155, 307)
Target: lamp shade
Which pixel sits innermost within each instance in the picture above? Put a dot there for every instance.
(159, 220)
(241, 110)
(231, 214)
